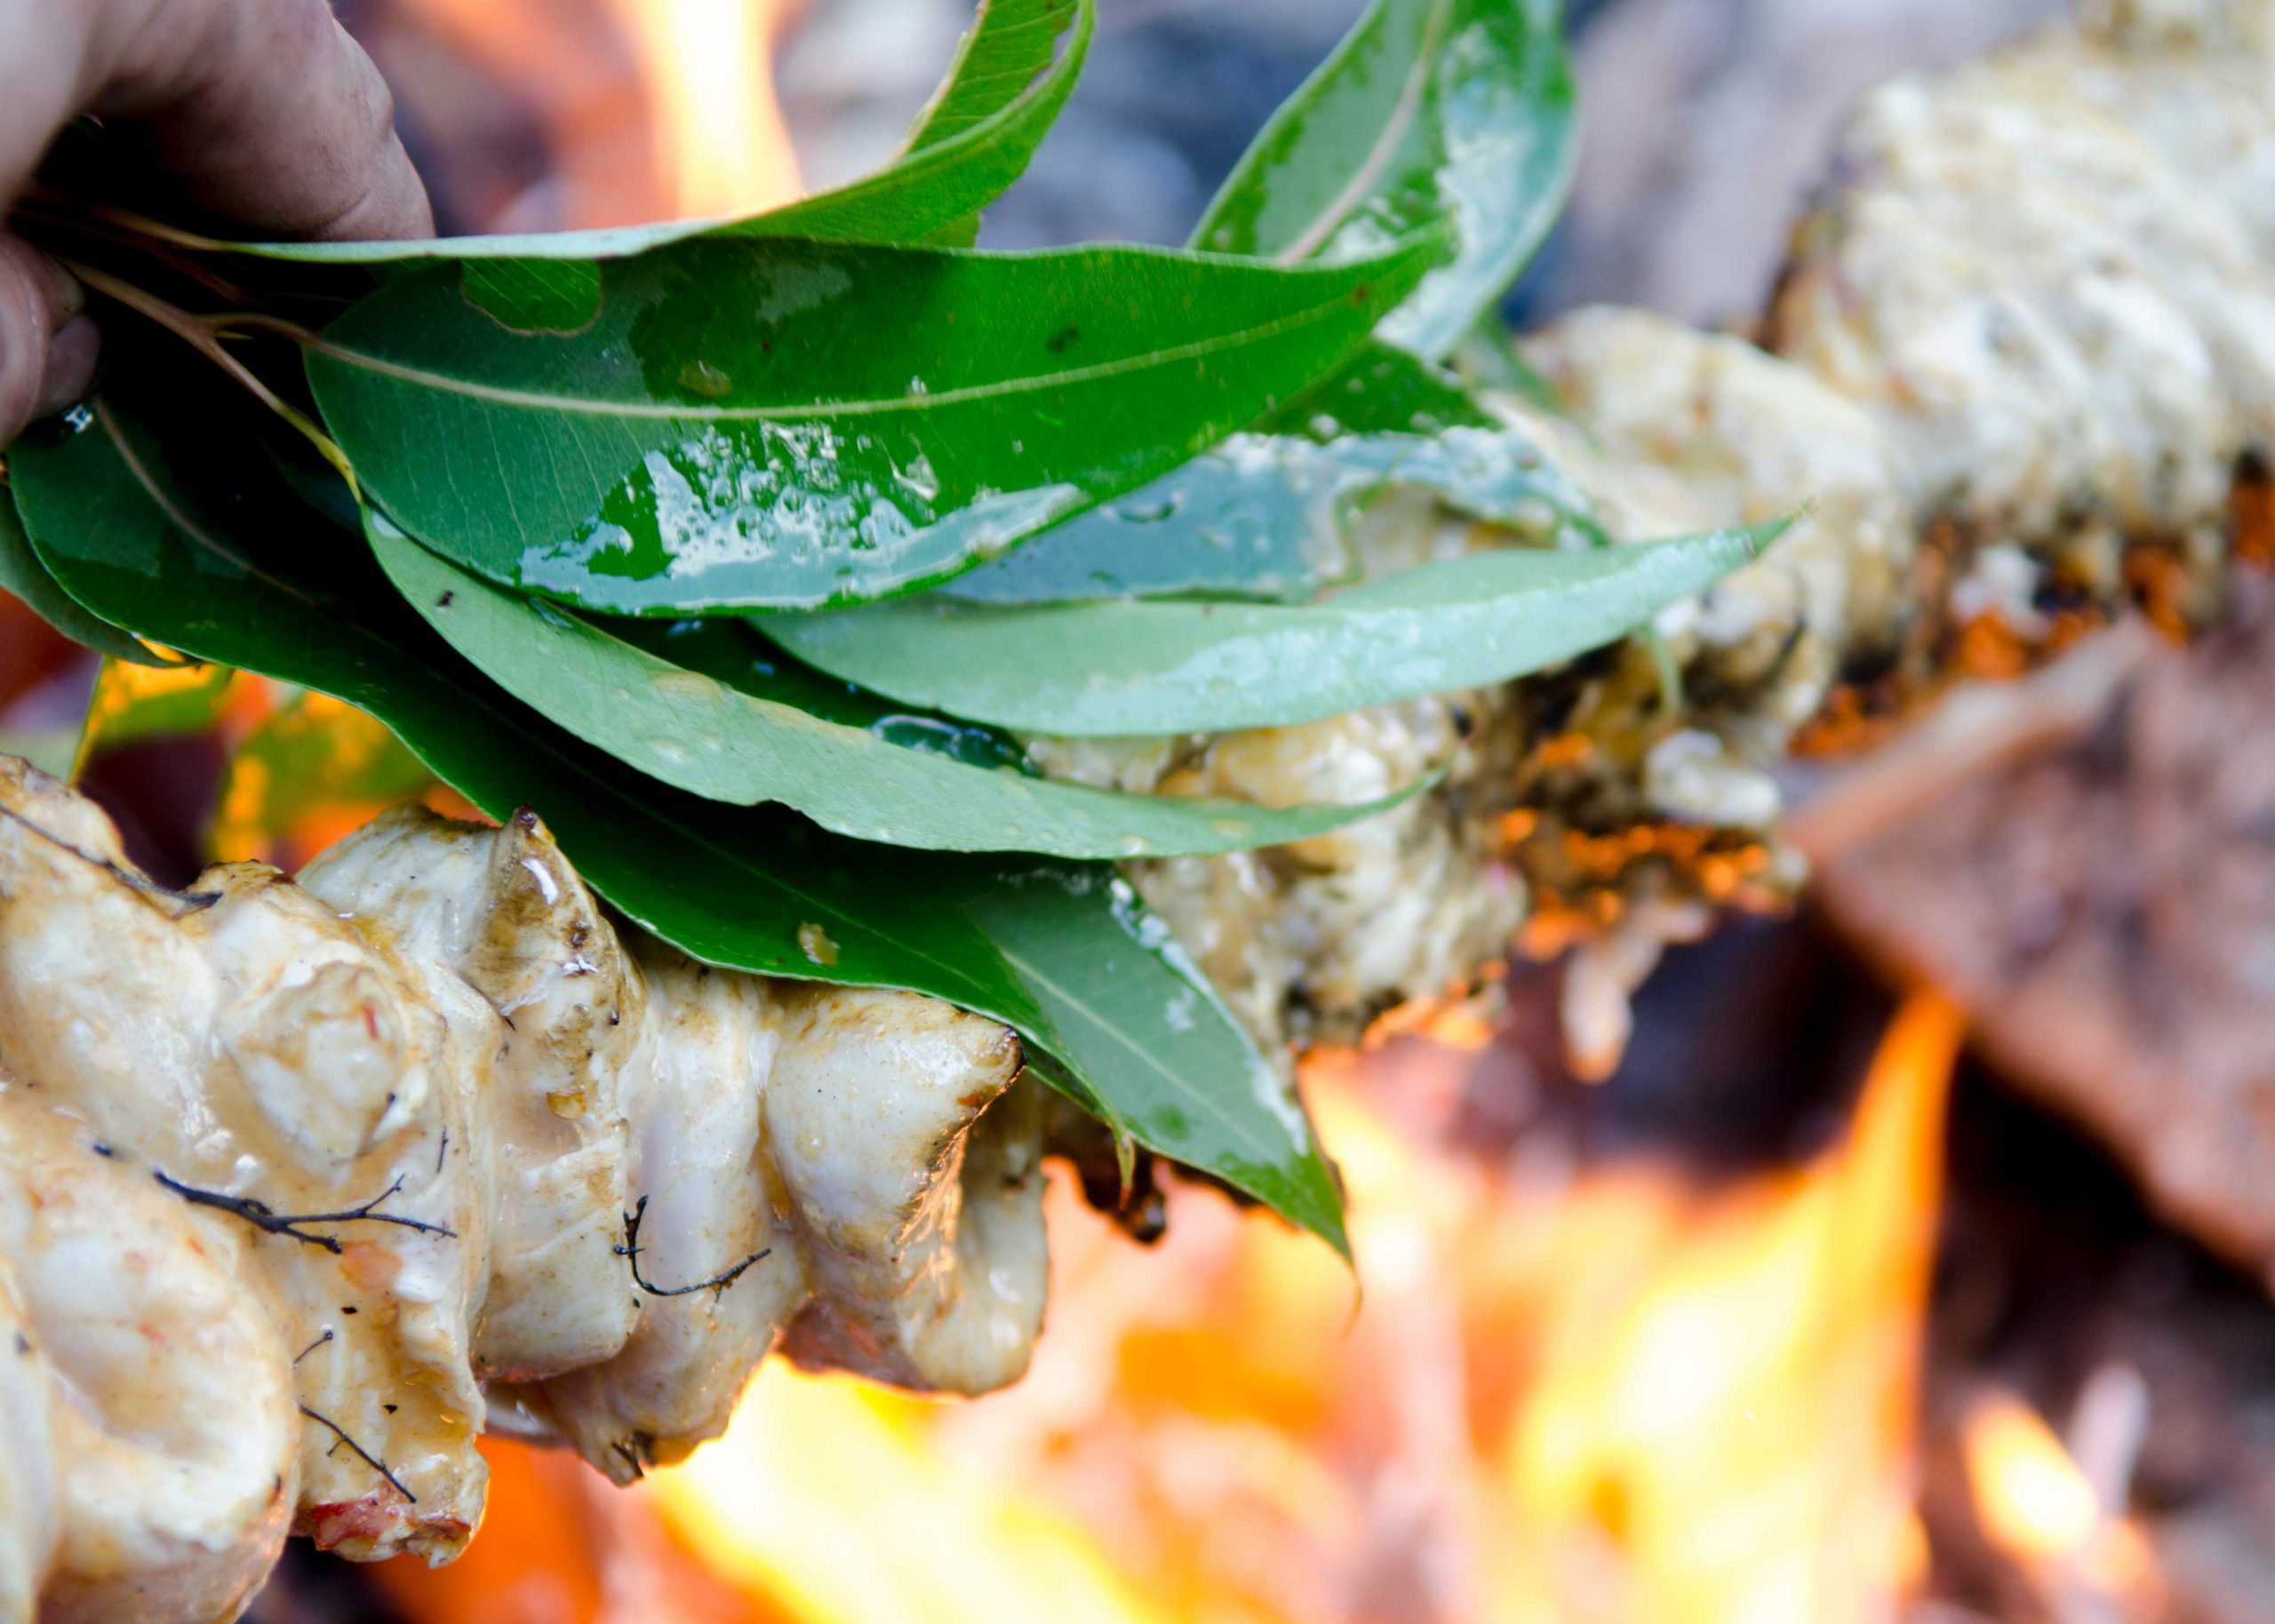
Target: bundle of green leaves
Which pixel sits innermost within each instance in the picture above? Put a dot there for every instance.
(736, 546)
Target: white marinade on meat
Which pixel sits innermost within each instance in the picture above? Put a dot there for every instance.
(2020, 368)
(379, 1130)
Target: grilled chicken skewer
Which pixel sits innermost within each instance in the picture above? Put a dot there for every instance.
(299, 1183)
(302, 1183)
(2021, 371)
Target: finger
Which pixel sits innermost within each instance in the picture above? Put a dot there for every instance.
(43, 73)
(269, 113)
(47, 348)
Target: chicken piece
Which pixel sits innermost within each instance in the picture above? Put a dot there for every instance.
(449, 1128)
(632, 1105)
(1672, 432)
(145, 1395)
(1311, 940)
(707, 1192)
(2052, 275)
(246, 1046)
(494, 926)
(922, 1229)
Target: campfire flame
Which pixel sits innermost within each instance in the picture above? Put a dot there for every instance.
(723, 148)
(1720, 1422)
(2035, 1503)
(1603, 1397)
(652, 109)
(790, 1505)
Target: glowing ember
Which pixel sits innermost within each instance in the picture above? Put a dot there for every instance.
(2033, 1500)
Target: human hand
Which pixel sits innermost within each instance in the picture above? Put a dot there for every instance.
(266, 112)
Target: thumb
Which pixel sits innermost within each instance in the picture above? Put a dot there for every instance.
(47, 347)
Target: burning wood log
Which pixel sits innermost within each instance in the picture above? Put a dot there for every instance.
(2101, 908)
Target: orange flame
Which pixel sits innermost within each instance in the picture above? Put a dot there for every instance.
(1722, 1421)
(710, 72)
(2033, 1500)
(652, 108)
(1618, 1399)
(2037, 1505)
(827, 1498)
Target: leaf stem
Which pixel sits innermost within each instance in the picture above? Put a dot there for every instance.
(87, 226)
(199, 332)
(237, 323)
(73, 210)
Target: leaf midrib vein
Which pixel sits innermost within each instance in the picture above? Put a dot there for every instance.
(1036, 975)
(1363, 181)
(530, 400)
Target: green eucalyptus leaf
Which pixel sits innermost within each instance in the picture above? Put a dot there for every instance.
(1276, 513)
(1010, 44)
(1131, 1002)
(733, 652)
(560, 297)
(1140, 668)
(24, 578)
(1011, 78)
(196, 541)
(796, 424)
(692, 731)
(1428, 109)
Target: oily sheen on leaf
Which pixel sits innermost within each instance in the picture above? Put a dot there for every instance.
(1271, 514)
(789, 425)
(1011, 78)
(1163, 667)
(692, 731)
(196, 541)
(1428, 110)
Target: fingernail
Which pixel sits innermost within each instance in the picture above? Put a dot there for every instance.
(70, 369)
